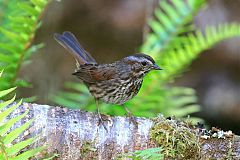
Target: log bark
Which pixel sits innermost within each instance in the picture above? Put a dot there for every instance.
(75, 135)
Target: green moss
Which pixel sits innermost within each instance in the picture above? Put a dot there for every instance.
(88, 150)
(178, 139)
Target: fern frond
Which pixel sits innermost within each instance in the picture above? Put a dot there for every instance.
(77, 97)
(177, 101)
(8, 149)
(18, 26)
(176, 60)
(17, 147)
(146, 154)
(7, 125)
(172, 21)
(29, 153)
(8, 111)
(7, 91)
(16, 132)
(8, 102)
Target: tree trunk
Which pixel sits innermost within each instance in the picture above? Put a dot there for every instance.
(75, 135)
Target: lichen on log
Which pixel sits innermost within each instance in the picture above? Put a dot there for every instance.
(76, 135)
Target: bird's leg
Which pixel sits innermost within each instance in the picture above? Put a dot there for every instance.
(100, 119)
(130, 116)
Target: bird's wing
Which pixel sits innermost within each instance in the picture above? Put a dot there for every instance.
(92, 73)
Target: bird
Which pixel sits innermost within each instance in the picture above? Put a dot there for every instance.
(113, 83)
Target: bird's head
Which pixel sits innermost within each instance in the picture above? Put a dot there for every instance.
(141, 63)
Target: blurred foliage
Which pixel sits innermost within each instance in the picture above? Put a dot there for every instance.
(174, 43)
(147, 154)
(9, 149)
(19, 21)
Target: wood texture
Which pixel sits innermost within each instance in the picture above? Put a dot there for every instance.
(75, 135)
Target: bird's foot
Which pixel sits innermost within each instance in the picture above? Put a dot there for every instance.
(104, 118)
(132, 119)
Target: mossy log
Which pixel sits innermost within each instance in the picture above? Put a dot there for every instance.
(76, 135)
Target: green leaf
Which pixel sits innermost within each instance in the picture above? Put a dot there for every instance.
(51, 157)
(147, 154)
(40, 3)
(76, 86)
(30, 153)
(5, 92)
(19, 146)
(8, 111)
(65, 102)
(19, 22)
(30, 99)
(171, 20)
(6, 103)
(182, 55)
(22, 83)
(8, 133)
(1, 73)
(7, 125)
(10, 35)
(28, 8)
(16, 132)
(186, 110)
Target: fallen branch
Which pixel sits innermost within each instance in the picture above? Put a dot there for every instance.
(75, 135)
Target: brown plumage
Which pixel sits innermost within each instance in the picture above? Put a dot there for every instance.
(114, 83)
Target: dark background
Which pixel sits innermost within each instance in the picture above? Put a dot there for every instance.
(110, 30)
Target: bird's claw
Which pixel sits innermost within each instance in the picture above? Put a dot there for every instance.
(104, 118)
(132, 119)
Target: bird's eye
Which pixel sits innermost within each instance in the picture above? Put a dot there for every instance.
(144, 63)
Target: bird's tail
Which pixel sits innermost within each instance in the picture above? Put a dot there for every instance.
(69, 42)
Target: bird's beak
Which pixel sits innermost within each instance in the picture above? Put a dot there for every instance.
(156, 67)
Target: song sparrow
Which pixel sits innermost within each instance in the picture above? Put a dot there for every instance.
(113, 83)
